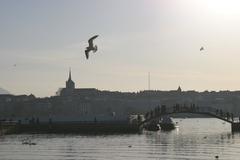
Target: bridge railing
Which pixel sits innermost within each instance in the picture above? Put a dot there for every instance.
(218, 113)
(207, 110)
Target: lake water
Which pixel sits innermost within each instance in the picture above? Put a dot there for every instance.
(194, 139)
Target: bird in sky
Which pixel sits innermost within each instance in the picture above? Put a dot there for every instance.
(91, 47)
(201, 49)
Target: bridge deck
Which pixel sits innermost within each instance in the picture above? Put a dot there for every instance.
(211, 114)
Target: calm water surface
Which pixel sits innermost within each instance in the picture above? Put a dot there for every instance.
(194, 139)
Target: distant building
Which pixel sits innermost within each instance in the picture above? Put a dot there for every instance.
(88, 104)
(70, 89)
(179, 89)
(70, 86)
(18, 98)
(69, 83)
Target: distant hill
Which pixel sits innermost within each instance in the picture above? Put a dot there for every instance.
(3, 91)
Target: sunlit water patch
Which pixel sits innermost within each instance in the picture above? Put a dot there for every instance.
(193, 139)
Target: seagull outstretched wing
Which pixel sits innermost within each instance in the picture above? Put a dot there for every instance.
(90, 41)
(91, 47)
(87, 53)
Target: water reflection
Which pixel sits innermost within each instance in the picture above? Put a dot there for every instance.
(196, 139)
(193, 139)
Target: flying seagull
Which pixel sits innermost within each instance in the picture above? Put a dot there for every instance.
(91, 47)
(201, 49)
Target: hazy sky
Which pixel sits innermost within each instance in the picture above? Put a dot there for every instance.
(46, 37)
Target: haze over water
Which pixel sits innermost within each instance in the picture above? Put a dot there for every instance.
(194, 139)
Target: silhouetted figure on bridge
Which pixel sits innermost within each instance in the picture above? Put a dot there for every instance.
(151, 114)
(197, 109)
(232, 117)
(158, 110)
(147, 115)
(221, 113)
(184, 108)
(228, 115)
(192, 108)
(177, 108)
(217, 111)
(139, 119)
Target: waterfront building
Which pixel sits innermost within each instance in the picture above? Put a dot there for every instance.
(85, 104)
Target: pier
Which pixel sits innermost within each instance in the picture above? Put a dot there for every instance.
(7, 127)
(77, 128)
(118, 127)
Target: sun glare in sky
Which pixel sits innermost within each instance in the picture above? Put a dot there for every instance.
(226, 7)
(40, 40)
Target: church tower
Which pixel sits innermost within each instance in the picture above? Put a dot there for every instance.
(69, 83)
(179, 89)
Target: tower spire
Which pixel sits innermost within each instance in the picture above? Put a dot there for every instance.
(69, 83)
(70, 77)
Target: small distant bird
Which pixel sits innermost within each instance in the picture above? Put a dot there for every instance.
(201, 49)
(91, 47)
(14, 65)
(216, 157)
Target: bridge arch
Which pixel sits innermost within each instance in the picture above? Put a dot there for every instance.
(207, 111)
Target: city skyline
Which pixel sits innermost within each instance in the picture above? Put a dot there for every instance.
(40, 40)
